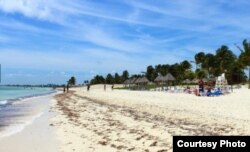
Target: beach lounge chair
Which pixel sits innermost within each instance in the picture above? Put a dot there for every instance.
(215, 93)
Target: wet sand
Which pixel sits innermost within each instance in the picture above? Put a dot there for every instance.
(38, 136)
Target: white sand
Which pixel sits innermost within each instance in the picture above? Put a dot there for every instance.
(36, 137)
(123, 120)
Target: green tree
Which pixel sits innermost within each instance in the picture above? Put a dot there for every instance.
(209, 64)
(199, 58)
(125, 75)
(225, 58)
(245, 57)
(151, 73)
(98, 79)
(186, 65)
(200, 74)
(109, 79)
(225, 61)
(117, 78)
(72, 81)
(189, 74)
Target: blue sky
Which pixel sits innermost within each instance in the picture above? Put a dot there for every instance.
(47, 41)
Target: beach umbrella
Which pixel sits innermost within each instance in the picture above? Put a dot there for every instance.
(132, 81)
(195, 81)
(169, 77)
(187, 81)
(137, 81)
(126, 81)
(159, 78)
(143, 80)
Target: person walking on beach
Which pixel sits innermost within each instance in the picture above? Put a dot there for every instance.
(64, 89)
(104, 87)
(88, 87)
(112, 87)
(67, 87)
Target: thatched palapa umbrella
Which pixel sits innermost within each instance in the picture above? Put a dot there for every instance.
(130, 82)
(187, 81)
(126, 82)
(137, 80)
(195, 81)
(159, 80)
(133, 80)
(169, 77)
(141, 81)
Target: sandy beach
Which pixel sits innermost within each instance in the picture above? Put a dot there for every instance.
(37, 134)
(124, 75)
(122, 120)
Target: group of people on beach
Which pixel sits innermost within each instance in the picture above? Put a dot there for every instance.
(204, 89)
(207, 89)
(88, 87)
(66, 88)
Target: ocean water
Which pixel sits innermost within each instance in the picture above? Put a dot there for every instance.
(20, 106)
(9, 93)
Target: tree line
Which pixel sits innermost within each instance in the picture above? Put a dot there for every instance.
(111, 79)
(207, 65)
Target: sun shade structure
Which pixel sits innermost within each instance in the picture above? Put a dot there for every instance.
(137, 80)
(142, 80)
(132, 80)
(169, 77)
(127, 81)
(195, 81)
(159, 78)
(187, 81)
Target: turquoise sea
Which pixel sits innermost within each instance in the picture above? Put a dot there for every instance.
(19, 106)
(10, 93)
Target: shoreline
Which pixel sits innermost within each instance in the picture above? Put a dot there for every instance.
(25, 97)
(121, 120)
(37, 134)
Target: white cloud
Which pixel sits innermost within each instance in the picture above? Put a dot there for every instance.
(85, 35)
(30, 8)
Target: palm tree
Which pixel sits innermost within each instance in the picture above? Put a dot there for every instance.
(199, 58)
(245, 57)
(200, 74)
(117, 78)
(186, 65)
(225, 58)
(209, 63)
(109, 79)
(125, 75)
(151, 74)
(72, 81)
